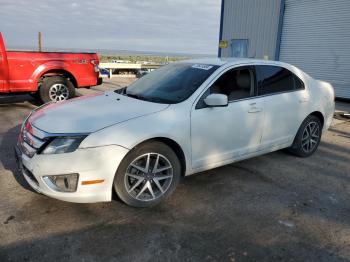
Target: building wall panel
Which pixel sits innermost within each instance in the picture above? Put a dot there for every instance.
(255, 20)
(315, 37)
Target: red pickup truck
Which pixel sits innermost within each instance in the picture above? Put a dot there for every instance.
(50, 76)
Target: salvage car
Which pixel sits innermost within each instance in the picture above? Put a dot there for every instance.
(178, 120)
(48, 76)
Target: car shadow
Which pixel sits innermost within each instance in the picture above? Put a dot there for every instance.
(7, 156)
(9, 100)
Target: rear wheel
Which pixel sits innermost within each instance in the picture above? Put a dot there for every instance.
(147, 175)
(56, 89)
(308, 137)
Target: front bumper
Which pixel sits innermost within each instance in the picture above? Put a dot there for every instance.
(98, 163)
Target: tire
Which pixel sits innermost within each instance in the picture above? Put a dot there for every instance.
(56, 89)
(302, 145)
(140, 189)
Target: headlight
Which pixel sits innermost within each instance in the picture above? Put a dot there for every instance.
(61, 145)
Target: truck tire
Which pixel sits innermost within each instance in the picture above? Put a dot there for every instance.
(56, 89)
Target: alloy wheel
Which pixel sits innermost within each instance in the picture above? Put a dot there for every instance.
(310, 137)
(58, 92)
(148, 177)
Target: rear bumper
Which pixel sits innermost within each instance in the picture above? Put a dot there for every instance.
(328, 115)
(98, 163)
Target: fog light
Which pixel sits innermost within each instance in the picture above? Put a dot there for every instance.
(62, 183)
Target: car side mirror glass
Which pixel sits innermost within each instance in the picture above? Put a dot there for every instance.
(216, 100)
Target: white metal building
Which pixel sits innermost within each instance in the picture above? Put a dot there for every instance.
(311, 34)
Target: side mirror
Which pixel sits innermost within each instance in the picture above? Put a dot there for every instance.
(215, 100)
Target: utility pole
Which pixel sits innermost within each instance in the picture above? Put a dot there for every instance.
(39, 41)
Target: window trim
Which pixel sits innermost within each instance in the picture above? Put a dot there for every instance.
(252, 69)
(258, 73)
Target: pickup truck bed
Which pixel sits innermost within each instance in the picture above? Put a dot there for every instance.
(52, 76)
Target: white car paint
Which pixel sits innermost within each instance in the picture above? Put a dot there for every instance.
(88, 114)
(209, 137)
(244, 137)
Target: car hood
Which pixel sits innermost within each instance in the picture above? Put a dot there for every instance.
(88, 114)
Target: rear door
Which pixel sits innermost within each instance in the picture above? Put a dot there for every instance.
(285, 104)
(222, 134)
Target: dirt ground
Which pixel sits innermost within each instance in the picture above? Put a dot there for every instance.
(275, 207)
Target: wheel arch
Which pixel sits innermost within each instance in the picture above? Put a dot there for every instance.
(174, 146)
(58, 72)
(319, 115)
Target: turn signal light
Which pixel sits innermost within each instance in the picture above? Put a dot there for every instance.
(91, 182)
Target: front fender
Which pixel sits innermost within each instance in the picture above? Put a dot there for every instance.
(164, 124)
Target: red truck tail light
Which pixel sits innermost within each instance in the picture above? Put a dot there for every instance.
(94, 61)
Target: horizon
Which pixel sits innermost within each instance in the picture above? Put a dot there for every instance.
(105, 51)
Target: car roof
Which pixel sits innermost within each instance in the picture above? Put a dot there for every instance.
(234, 61)
(230, 61)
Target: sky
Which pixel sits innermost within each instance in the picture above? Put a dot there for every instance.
(183, 26)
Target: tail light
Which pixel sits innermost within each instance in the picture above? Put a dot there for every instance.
(94, 61)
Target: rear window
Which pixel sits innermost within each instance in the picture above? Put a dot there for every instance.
(275, 79)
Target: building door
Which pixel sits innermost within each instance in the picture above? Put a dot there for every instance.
(239, 47)
(315, 37)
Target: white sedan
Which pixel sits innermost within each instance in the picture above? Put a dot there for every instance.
(181, 119)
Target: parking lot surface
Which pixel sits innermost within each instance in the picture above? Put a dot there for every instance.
(275, 207)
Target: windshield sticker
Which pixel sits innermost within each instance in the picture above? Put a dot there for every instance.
(202, 66)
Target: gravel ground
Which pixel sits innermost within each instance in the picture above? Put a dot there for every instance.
(275, 207)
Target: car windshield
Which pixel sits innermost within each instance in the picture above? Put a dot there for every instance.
(170, 84)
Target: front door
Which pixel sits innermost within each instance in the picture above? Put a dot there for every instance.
(222, 134)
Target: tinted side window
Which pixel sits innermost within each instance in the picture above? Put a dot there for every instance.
(236, 84)
(275, 79)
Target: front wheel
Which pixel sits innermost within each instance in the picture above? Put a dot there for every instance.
(308, 137)
(147, 175)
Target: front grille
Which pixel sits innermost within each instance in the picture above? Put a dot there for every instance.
(30, 175)
(29, 143)
(32, 140)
